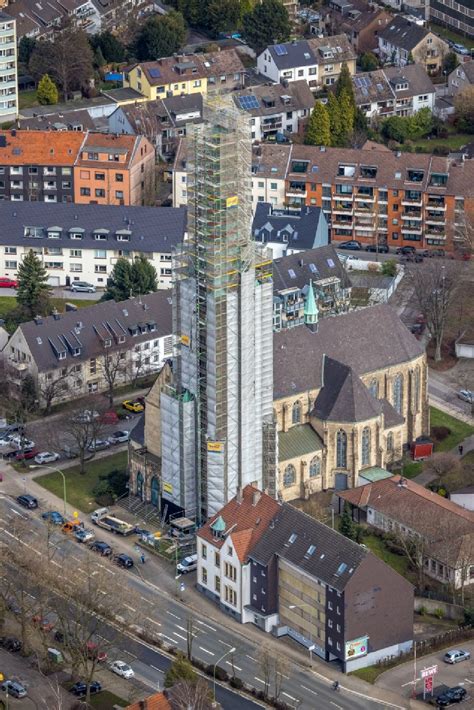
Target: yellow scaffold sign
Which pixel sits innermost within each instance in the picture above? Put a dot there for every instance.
(232, 201)
(216, 446)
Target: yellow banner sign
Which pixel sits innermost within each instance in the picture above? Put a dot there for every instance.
(185, 340)
(215, 446)
(232, 201)
(167, 488)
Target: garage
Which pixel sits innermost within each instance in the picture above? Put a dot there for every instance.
(53, 281)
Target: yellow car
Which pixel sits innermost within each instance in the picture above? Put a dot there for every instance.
(133, 406)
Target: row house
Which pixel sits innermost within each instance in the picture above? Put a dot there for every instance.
(43, 19)
(402, 42)
(272, 565)
(75, 354)
(73, 166)
(318, 61)
(84, 242)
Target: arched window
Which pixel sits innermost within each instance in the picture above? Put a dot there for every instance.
(365, 446)
(374, 388)
(389, 441)
(314, 467)
(416, 388)
(341, 449)
(296, 413)
(397, 393)
(289, 475)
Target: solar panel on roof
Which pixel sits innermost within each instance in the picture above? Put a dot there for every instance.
(280, 50)
(248, 102)
(364, 91)
(379, 87)
(154, 73)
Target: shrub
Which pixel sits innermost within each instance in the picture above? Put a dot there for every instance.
(422, 611)
(221, 673)
(237, 682)
(439, 613)
(442, 492)
(439, 433)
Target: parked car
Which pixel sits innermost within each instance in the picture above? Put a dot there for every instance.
(94, 652)
(52, 516)
(5, 282)
(123, 560)
(189, 564)
(70, 452)
(14, 689)
(450, 696)
(10, 643)
(80, 688)
(460, 49)
(84, 535)
(102, 548)
(133, 405)
(82, 286)
(46, 457)
(351, 244)
(25, 455)
(86, 416)
(466, 395)
(456, 656)
(412, 258)
(98, 445)
(21, 442)
(405, 250)
(119, 437)
(122, 669)
(27, 501)
(110, 417)
(59, 636)
(380, 248)
(43, 623)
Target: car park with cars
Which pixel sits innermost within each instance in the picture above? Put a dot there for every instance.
(52, 516)
(46, 457)
(84, 535)
(80, 688)
(123, 560)
(451, 696)
(26, 455)
(14, 689)
(43, 623)
(119, 437)
(456, 656)
(101, 547)
(27, 501)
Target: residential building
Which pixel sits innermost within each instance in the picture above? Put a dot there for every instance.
(73, 354)
(272, 565)
(187, 74)
(393, 91)
(463, 497)
(293, 276)
(8, 69)
(163, 121)
(461, 77)
(357, 19)
(77, 120)
(83, 242)
(286, 232)
(276, 109)
(115, 170)
(403, 41)
(42, 19)
(456, 16)
(318, 61)
(72, 166)
(443, 529)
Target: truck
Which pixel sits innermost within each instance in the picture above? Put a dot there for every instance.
(115, 525)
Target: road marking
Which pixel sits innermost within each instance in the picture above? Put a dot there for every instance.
(469, 681)
(309, 690)
(206, 651)
(173, 615)
(179, 635)
(173, 641)
(152, 621)
(410, 682)
(130, 607)
(206, 625)
(259, 680)
(144, 599)
(110, 571)
(229, 663)
(289, 696)
(181, 628)
(156, 669)
(33, 532)
(335, 705)
(225, 643)
(251, 658)
(53, 562)
(17, 512)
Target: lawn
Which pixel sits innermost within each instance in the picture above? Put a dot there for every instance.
(453, 36)
(459, 430)
(27, 99)
(410, 468)
(107, 700)
(453, 142)
(396, 562)
(7, 303)
(79, 487)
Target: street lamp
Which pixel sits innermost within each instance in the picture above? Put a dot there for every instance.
(227, 653)
(312, 646)
(57, 470)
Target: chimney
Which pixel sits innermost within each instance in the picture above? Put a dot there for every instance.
(38, 320)
(56, 314)
(238, 496)
(256, 497)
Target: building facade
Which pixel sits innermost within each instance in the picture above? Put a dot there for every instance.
(8, 69)
(457, 16)
(402, 41)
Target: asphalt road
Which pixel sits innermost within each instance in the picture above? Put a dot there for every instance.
(152, 607)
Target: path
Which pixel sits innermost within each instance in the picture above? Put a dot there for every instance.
(425, 478)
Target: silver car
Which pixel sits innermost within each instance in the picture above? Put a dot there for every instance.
(83, 286)
(466, 395)
(456, 656)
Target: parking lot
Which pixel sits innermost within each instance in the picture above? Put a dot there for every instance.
(44, 692)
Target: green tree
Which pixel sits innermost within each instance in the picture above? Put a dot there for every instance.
(222, 15)
(369, 62)
(47, 92)
(99, 59)
(464, 109)
(389, 267)
(335, 120)
(143, 275)
(421, 124)
(25, 49)
(112, 49)
(33, 292)
(360, 121)
(267, 23)
(318, 131)
(119, 284)
(344, 84)
(450, 62)
(395, 128)
(180, 670)
(29, 395)
(346, 526)
(193, 11)
(346, 112)
(160, 36)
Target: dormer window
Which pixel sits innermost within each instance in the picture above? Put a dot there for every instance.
(152, 326)
(123, 235)
(438, 179)
(368, 172)
(121, 338)
(415, 175)
(76, 233)
(100, 235)
(76, 352)
(34, 232)
(133, 330)
(346, 170)
(107, 342)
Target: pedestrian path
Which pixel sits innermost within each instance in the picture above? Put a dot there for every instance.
(426, 477)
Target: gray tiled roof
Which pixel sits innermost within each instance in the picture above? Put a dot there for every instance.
(325, 263)
(344, 397)
(402, 33)
(331, 548)
(294, 97)
(298, 229)
(366, 340)
(153, 229)
(86, 327)
(297, 54)
(137, 434)
(390, 415)
(414, 74)
(71, 120)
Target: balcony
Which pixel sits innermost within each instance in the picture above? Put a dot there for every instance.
(436, 205)
(365, 198)
(411, 230)
(406, 202)
(409, 215)
(341, 225)
(363, 211)
(296, 192)
(338, 209)
(435, 218)
(364, 227)
(433, 232)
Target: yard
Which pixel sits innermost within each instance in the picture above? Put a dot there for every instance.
(455, 141)
(458, 430)
(79, 487)
(8, 303)
(450, 34)
(397, 562)
(27, 99)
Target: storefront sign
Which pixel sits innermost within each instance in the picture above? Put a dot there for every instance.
(356, 648)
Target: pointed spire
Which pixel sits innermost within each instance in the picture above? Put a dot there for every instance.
(311, 313)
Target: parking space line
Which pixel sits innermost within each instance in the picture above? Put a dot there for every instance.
(129, 607)
(174, 615)
(156, 669)
(179, 635)
(206, 625)
(309, 690)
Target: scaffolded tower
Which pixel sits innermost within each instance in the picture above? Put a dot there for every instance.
(215, 415)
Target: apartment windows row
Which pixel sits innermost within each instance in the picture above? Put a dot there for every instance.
(100, 192)
(34, 170)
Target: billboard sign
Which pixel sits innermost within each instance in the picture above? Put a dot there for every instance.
(357, 647)
(428, 672)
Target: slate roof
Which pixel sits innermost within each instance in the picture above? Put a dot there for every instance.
(391, 416)
(271, 160)
(152, 117)
(331, 548)
(298, 229)
(195, 66)
(344, 397)
(371, 86)
(294, 97)
(248, 520)
(153, 229)
(72, 120)
(326, 264)
(306, 53)
(297, 54)
(365, 340)
(298, 441)
(137, 434)
(88, 327)
(403, 34)
(467, 68)
(418, 80)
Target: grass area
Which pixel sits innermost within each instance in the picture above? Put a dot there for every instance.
(369, 674)
(79, 487)
(379, 548)
(411, 468)
(452, 142)
(106, 700)
(7, 303)
(459, 430)
(453, 36)
(27, 99)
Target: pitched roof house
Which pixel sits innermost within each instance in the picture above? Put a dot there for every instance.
(289, 232)
(402, 41)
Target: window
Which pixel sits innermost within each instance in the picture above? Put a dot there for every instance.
(217, 559)
(296, 413)
(204, 575)
(76, 253)
(231, 596)
(374, 388)
(314, 467)
(119, 194)
(11, 264)
(10, 250)
(118, 177)
(416, 388)
(329, 623)
(289, 475)
(85, 191)
(100, 254)
(230, 551)
(230, 571)
(217, 584)
(204, 551)
(341, 449)
(100, 269)
(99, 192)
(75, 267)
(390, 441)
(99, 176)
(366, 446)
(397, 393)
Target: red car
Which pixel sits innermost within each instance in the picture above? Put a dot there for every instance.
(5, 282)
(94, 653)
(43, 623)
(22, 455)
(109, 417)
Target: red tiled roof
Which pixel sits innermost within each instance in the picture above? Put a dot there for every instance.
(249, 517)
(40, 147)
(153, 702)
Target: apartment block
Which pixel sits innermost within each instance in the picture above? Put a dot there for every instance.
(458, 16)
(8, 69)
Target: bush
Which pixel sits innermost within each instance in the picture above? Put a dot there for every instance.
(422, 611)
(439, 613)
(389, 267)
(439, 433)
(237, 683)
(221, 673)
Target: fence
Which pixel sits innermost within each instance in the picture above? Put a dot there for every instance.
(424, 648)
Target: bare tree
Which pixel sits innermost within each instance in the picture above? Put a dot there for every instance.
(265, 665)
(464, 233)
(434, 287)
(415, 547)
(113, 366)
(53, 385)
(442, 464)
(281, 667)
(185, 694)
(82, 425)
(192, 632)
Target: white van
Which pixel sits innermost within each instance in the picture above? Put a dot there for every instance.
(189, 564)
(99, 513)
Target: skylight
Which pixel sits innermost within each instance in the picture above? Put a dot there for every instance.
(292, 538)
(341, 569)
